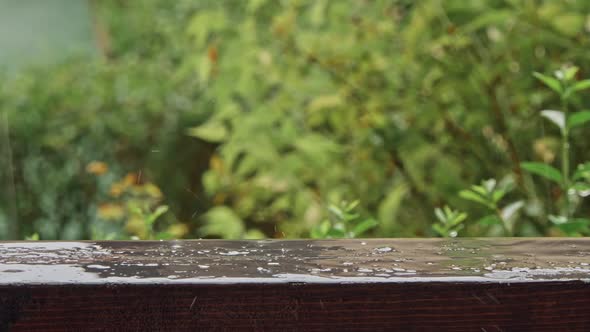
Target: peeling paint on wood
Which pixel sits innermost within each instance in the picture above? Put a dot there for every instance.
(423, 284)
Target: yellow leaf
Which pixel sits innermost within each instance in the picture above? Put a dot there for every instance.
(117, 189)
(323, 102)
(110, 211)
(136, 226)
(130, 179)
(178, 230)
(97, 167)
(152, 190)
(216, 164)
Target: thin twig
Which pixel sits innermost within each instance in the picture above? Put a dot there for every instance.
(13, 229)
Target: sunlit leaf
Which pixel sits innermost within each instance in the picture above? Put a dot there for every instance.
(33, 237)
(550, 82)
(569, 73)
(254, 5)
(336, 233)
(160, 210)
(439, 230)
(336, 211)
(211, 131)
(321, 230)
(224, 222)
(481, 190)
(390, 205)
(581, 85)
(497, 195)
(490, 220)
(568, 23)
(111, 211)
(352, 205)
(509, 211)
(458, 218)
(164, 236)
(472, 196)
(543, 170)
(488, 18)
(582, 172)
(440, 215)
(557, 117)
(364, 226)
(571, 226)
(581, 188)
(578, 119)
(254, 234)
(489, 184)
(325, 102)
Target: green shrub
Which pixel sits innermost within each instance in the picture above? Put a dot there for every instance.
(398, 104)
(571, 187)
(308, 103)
(129, 111)
(129, 116)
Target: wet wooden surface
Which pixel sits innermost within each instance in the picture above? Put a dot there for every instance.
(489, 284)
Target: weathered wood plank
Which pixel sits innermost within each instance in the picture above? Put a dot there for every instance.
(382, 284)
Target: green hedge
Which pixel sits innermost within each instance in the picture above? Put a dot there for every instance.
(280, 109)
(129, 111)
(398, 104)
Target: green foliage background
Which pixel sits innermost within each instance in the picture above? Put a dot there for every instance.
(254, 116)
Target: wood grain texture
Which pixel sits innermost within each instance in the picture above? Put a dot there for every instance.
(337, 285)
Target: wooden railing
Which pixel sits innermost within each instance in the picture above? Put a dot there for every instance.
(489, 284)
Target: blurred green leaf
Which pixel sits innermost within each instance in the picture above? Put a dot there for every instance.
(364, 226)
(164, 236)
(571, 226)
(569, 24)
(578, 119)
(568, 73)
(33, 237)
(581, 85)
(390, 207)
(440, 215)
(212, 131)
(254, 234)
(581, 188)
(352, 205)
(336, 233)
(550, 82)
(488, 18)
(510, 210)
(222, 221)
(321, 230)
(490, 220)
(472, 196)
(497, 195)
(440, 230)
(582, 172)
(543, 170)
(152, 217)
(449, 221)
